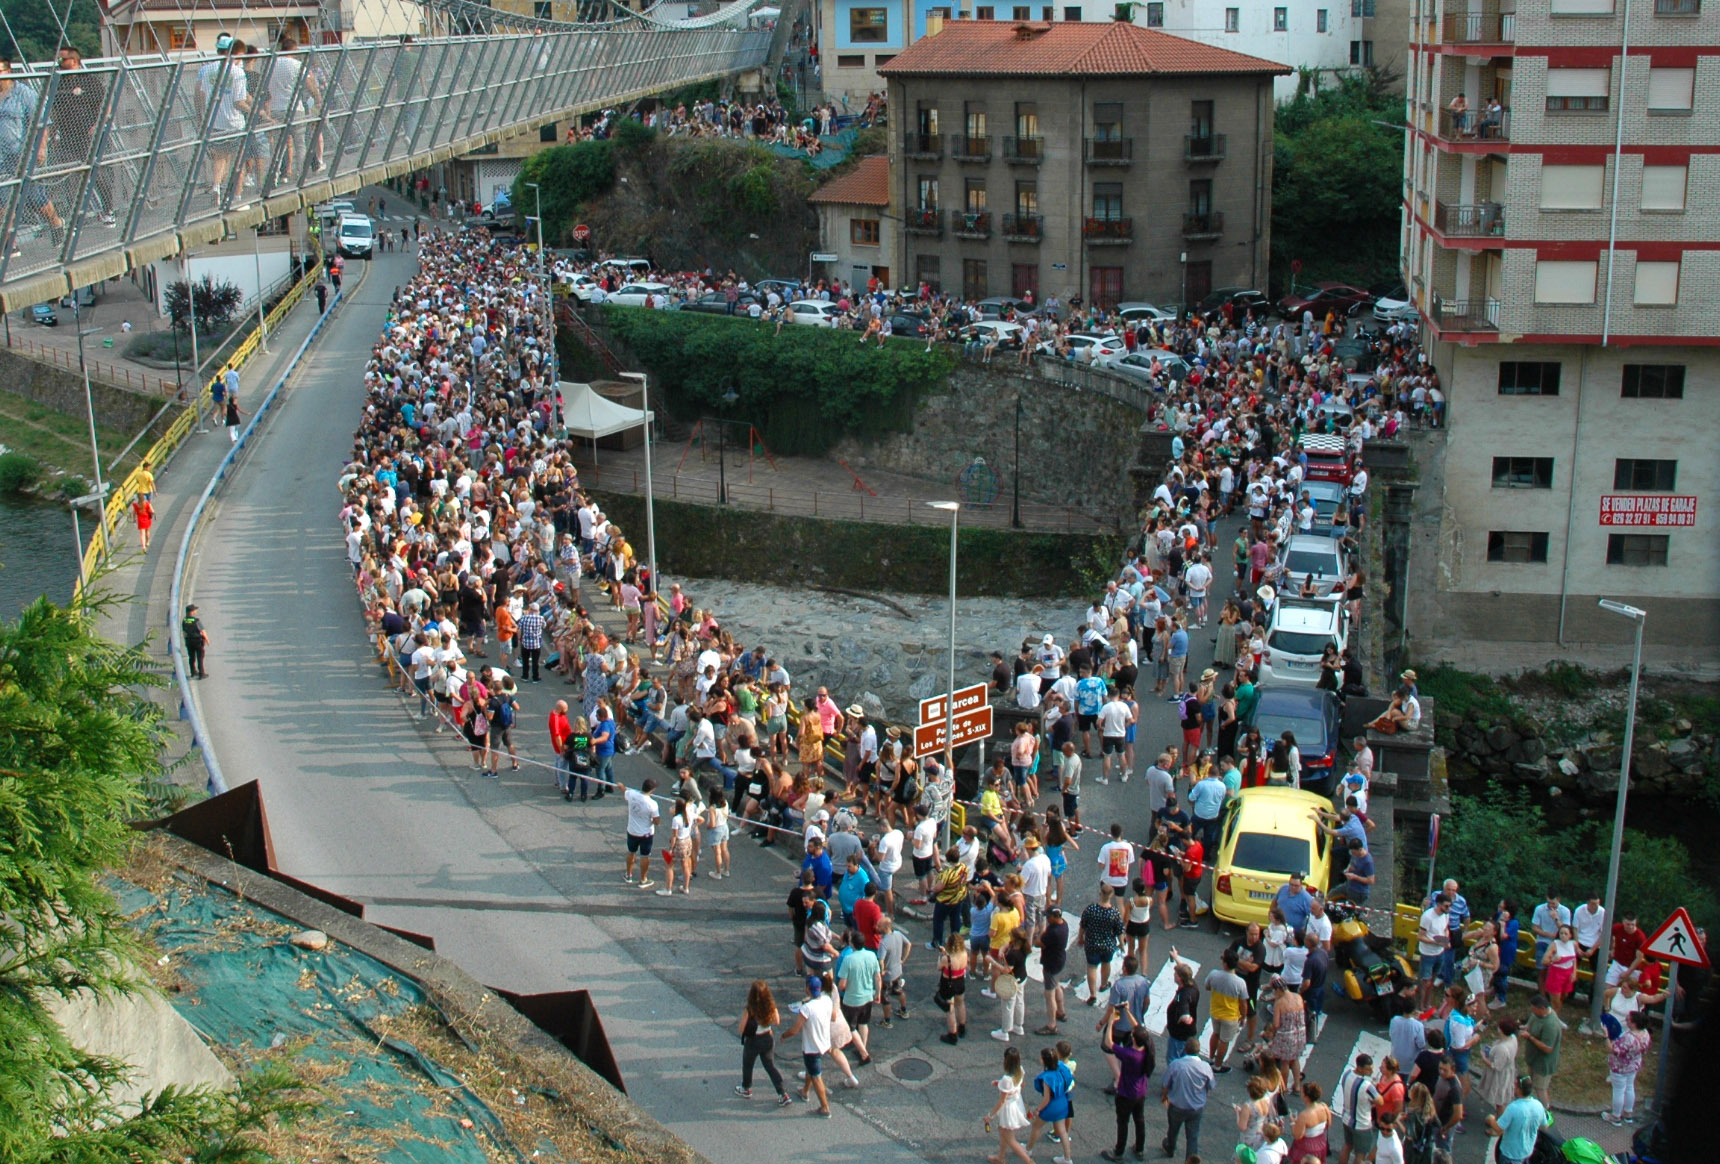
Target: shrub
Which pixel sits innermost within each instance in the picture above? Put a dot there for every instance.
(568, 177)
(18, 472)
(71, 486)
(215, 302)
(633, 135)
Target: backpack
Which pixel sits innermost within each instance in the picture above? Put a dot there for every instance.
(505, 712)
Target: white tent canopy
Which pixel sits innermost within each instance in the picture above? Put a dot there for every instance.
(591, 416)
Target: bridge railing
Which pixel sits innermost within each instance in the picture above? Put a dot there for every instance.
(126, 161)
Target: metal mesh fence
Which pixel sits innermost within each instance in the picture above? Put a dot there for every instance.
(108, 154)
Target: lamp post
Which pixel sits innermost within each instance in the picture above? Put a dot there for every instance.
(554, 355)
(89, 406)
(1604, 952)
(257, 259)
(953, 508)
(650, 514)
(196, 360)
(1015, 501)
(78, 532)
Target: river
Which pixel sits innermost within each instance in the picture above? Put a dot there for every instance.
(37, 553)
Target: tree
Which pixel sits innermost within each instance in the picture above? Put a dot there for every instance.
(37, 32)
(216, 304)
(568, 176)
(79, 752)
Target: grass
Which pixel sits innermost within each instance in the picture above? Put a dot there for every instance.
(60, 441)
(1465, 694)
(1581, 1081)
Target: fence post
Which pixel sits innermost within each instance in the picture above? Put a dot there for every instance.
(862, 507)
(773, 498)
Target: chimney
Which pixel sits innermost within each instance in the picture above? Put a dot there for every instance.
(1030, 31)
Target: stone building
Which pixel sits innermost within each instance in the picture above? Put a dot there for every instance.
(1107, 162)
(854, 225)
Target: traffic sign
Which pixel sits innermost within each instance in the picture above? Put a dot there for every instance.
(967, 699)
(972, 720)
(825, 256)
(1295, 266)
(581, 232)
(1675, 941)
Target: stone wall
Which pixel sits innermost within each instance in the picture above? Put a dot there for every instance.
(1586, 768)
(1076, 445)
(63, 391)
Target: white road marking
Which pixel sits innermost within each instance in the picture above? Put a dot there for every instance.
(1365, 1044)
(1164, 989)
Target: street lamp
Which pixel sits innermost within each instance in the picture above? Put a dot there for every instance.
(953, 508)
(196, 360)
(1604, 953)
(77, 530)
(650, 514)
(89, 403)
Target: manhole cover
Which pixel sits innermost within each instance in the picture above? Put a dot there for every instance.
(911, 1070)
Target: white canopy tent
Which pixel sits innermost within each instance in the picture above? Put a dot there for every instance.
(592, 416)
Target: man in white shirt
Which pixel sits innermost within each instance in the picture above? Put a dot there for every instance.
(1433, 936)
(1035, 884)
(1051, 657)
(1027, 687)
(812, 1024)
(642, 814)
(924, 852)
(1590, 921)
(1113, 736)
(1115, 857)
(889, 860)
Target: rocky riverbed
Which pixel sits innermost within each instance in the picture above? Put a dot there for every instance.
(884, 652)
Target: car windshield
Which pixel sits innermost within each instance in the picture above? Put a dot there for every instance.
(1310, 733)
(1310, 562)
(356, 229)
(1298, 642)
(1270, 853)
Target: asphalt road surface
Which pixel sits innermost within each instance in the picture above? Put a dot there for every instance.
(526, 891)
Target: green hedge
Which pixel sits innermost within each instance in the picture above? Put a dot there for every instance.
(805, 389)
(749, 546)
(18, 472)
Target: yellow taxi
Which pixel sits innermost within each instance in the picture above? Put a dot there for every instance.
(1266, 834)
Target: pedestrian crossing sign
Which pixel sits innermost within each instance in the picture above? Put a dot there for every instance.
(1675, 941)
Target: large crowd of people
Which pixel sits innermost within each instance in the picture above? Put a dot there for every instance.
(468, 532)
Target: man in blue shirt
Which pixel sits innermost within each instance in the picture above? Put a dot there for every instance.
(603, 750)
(1205, 800)
(819, 863)
(1295, 902)
(1358, 875)
(1519, 1126)
(1177, 654)
(1188, 1081)
(1089, 698)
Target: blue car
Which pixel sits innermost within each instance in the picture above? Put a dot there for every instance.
(1311, 714)
(43, 314)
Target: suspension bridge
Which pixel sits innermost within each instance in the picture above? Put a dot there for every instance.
(110, 164)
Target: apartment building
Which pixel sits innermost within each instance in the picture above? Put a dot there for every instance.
(857, 37)
(1561, 212)
(1107, 162)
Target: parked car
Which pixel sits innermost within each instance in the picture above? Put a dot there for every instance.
(1334, 414)
(814, 313)
(355, 237)
(581, 286)
(910, 323)
(1097, 351)
(1321, 557)
(1328, 457)
(1147, 311)
(998, 306)
(1326, 496)
(1340, 297)
(1298, 631)
(1007, 335)
(629, 268)
(717, 303)
(1138, 366)
(635, 294)
(786, 288)
(43, 315)
(1265, 835)
(1393, 304)
(1241, 299)
(1311, 715)
(330, 213)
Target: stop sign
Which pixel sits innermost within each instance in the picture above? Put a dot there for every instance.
(582, 232)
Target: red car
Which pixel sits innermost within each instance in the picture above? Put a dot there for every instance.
(1340, 297)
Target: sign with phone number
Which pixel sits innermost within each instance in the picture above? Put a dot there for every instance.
(1651, 510)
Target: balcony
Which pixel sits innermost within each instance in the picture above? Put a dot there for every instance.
(1108, 232)
(1475, 128)
(1110, 151)
(1027, 228)
(1024, 151)
(968, 148)
(1482, 220)
(924, 220)
(1466, 315)
(1204, 147)
(923, 146)
(1199, 226)
(971, 224)
(1462, 28)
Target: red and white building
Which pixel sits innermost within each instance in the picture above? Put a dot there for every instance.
(1561, 237)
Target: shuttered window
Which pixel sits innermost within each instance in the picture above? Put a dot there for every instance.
(1578, 89)
(1572, 187)
(1663, 187)
(1656, 284)
(1671, 89)
(1560, 281)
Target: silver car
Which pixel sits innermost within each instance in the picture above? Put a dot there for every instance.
(1320, 558)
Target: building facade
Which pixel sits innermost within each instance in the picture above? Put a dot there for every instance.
(1326, 37)
(1105, 162)
(855, 226)
(1561, 218)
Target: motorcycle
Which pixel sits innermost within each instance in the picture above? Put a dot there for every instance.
(1369, 969)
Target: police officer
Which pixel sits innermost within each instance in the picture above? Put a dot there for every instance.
(196, 639)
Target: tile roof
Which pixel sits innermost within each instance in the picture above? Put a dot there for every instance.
(1004, 48)
(867, 184)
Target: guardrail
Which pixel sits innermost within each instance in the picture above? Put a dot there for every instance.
(113, 377)
(175, 603)
(162, 450)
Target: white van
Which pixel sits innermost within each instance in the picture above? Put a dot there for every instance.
(355, 237)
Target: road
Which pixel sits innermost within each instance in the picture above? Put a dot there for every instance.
(525, 890)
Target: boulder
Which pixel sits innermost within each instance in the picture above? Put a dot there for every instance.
(1683, 726)
(1683, 754)
(1532, 748)
(310, 940)
(873, 705)
(1533, 773)
(923, 687)
(1650, 763)
(1501, 739)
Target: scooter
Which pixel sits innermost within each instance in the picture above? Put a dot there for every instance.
(1369, 969)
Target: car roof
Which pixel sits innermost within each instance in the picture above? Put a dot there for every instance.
(1319, 442)
(1305, 620)
(1266, 798)
(1325, 490)
(1289, 700)
(818, 303)
(644, 286)
(1306, 541)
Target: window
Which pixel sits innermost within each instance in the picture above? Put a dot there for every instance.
(1280, 20)
(1663, 187)
(868, 25)
(1105, 286)
(986, 13)
(1070, 14)
(1045, 13)
(1022, 12)
(1635, 475)
(863, 232)
(1578, 90)
(181, 38)
(1678, 7)
(1320, 21)
(1580, 7)
(1361, 8)
(1573, 187)
(542, 9)
(1027, 198)
(1200, 119)
(882, 59)
(1637, 549)
(1027, 119)
(1656, 284)
(1561, 281)
(851, 61)
(926, 270)
(974, 285)
(1155, 14)
(1516, 546)
(1024, 280)
(1671, 90)
(928, 193)
(1522, 472)
(1362, 52)
(1108, 121)
(1108, 200)
(974, 192)
(1200, 196)
(1653, 382)
(1233, 20)
(1528, 378)
(547, 133)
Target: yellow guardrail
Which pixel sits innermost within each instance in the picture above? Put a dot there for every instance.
(119, 501)
(1406, 921)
